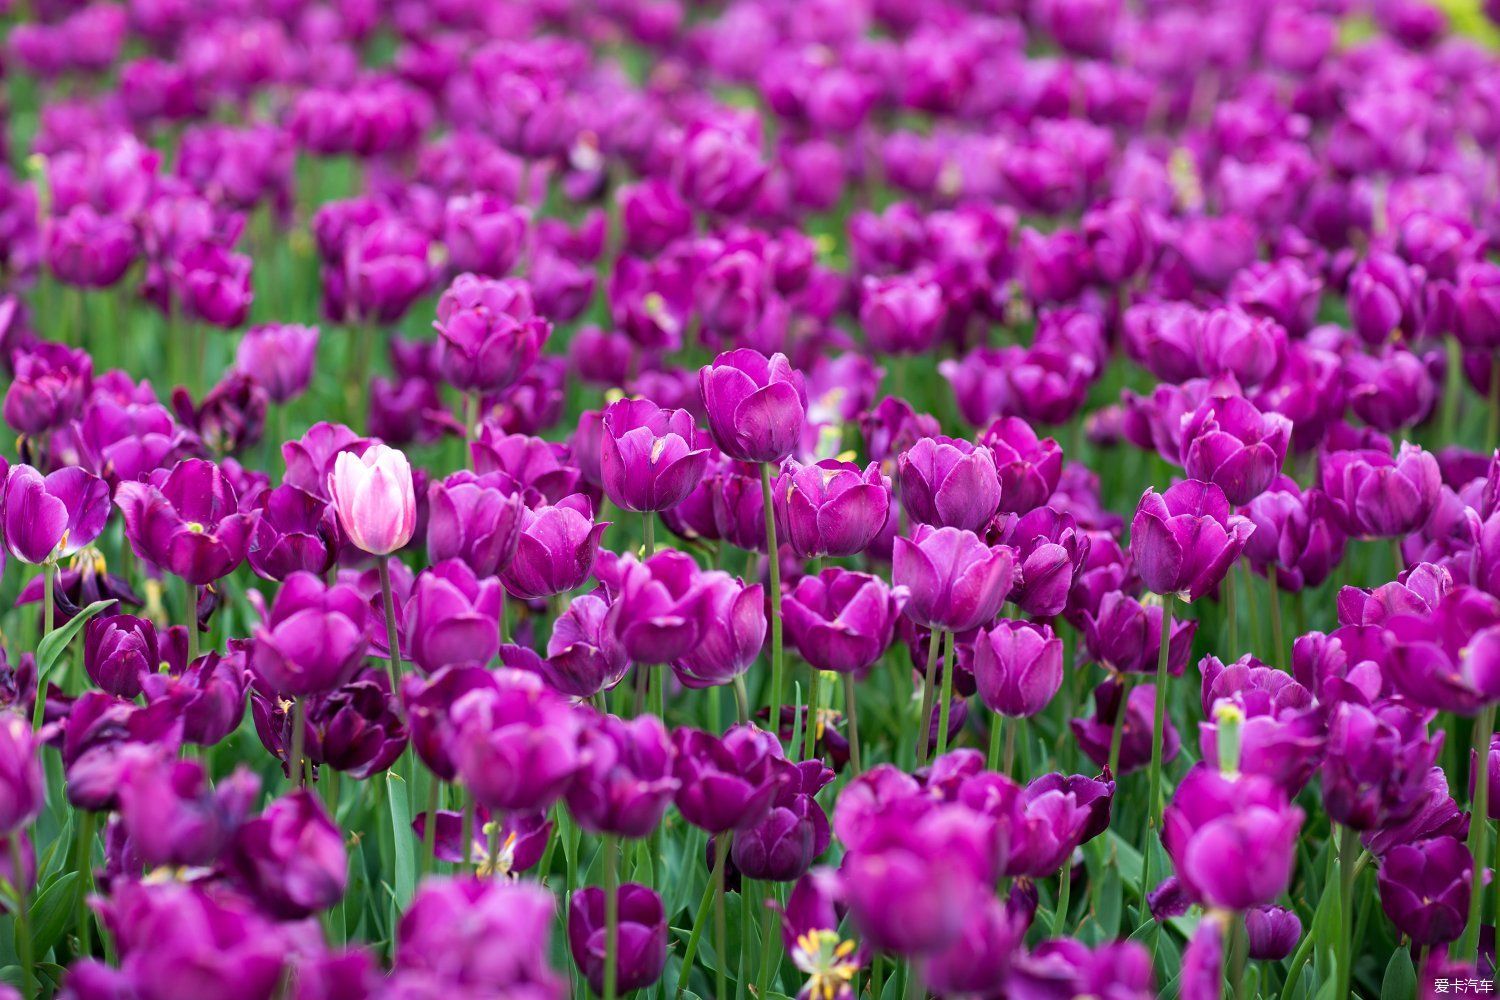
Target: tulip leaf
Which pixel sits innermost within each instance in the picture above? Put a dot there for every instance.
(52, 909)
(1400, 975)
(404, 843)
(51, 648)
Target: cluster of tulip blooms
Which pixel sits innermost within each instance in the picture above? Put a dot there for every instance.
(749, 498)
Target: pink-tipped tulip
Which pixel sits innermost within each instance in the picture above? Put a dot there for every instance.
(374, 498)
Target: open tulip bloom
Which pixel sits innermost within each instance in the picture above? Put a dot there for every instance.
(826, 500)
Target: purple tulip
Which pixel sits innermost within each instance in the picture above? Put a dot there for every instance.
(1392, 390)
(515, 743)
(626, 782)
(1425, 887)
(901, 314)
(291, 857)
(1274, 932)
(313, 640)
(429, 705)
(830, 508)
(1115, 969)
(296, 532)
(448, 932)
(473, 518)
(640, 945)
(556, 549)
(756, 405)
(955, 581)
(729, 782)
(1384, 297)
(206, 696)
(647, 458)
(1094, 735)
(1379, 496)
(1028, 467)
(977, 963)
(47, 518)
(949, 483)
(523, 839)
(659, 599)
(453, 617)
(50, 383)
(280, 358)
(489, 333)
(22, 786)
(484, 233)
(1018, 666)
(1375, 767)
(529, 464)
(211, 284)
(1184, 541)
(1043, 384)
(310, 459)
(1446, 655)
(1124, 636)
(172, 814)
(783, 845)
(584, 654)
(841, 620)
(188, 522)
(119, 651)
(1229, 443)
(354, 728)
(1297, 535)
(731, 631)
(1214, 820)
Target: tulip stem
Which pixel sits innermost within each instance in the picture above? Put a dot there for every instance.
(1479, 841)
(1064, 894)
(1348, 853)
(648, 524)
(501, 621)
(947, 703)
(612, 915)
(190, 618)
(997, 723)
(810, 727)
(471, 425)
(726, 841)
(773, 550)
(924, 719)
(83, 863)
(851, 709)
(299, 742)
(742, 700)
(1117, 734)
(1231, 612)
(698, 921)
(391, 638)
(1236, 954)
(49, 597)
(23, 916)
(1158, 717)
(429, 830)
(915, 988)
(768, 935)
(1492, 426)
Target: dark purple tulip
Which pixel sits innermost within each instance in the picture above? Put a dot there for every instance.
(429, 706)
(1232, 840)
(1018, 666)
(119, 651)
(1391, 391)
(1028, 466)
(1446, 655)
(1066, 967)
(1380, 496)
(1425, 887)
(841, 620)
(584, 654)
(659, 600)
(1049, 548)
(830, 508)
(208, 695)
(556, 548)
(1094, 794)
(1477, 301)
(484, 233)
(384, 269)
(530, 463)
(291, 857)
(949, 483)
(1124, 636)
(626, 782)
(1048, 822)
(1375, 767)
(515, 743)
(1185, 540)
(652, 215)
(90, 250)
(1229, 443)
(211, 284)
(901, 314)
(473, 518)
(103, 734)
(523, 839)
(1044, 384)
(172, 814)
(47, 518)
(976, 963)
(729, 782)
(731, 631)
(1274, 932)
(640, 945)
(231, 416)
(783, 845)
(50, 383)
(955, 581)
(453, 617)
(756, 405)
(1385, 297)
(354, 728)
(489, 333)
(1297, 535)
(1095, 733)
(187, 522)
(22, 786)
(647, 458)
(448, 934)
(891, 427)
(313, 640)
(279, 357)
(296, 532)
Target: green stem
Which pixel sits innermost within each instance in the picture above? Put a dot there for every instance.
(83, 863)
(1159, 715)
(1064, 892)
(23, 918)
(1117, 734)
(726, 841)
(612, 914)
(471, 425)
(997, 723)
(294, 768)
(742, 702)
(777, 667)
(1348, 855)
(699, 920)
(648, 522)
(503, 624)
(947, 702)
(769, 955)
(851, 710)
(924, 719)
(391, 638)
(1479, 841)
(810, 731)
(429, 832)
(1237, 953)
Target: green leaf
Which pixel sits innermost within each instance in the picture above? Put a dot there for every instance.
(51, 648)
(51, 911)
(404, 842)
(1111, 902)
(1400, 976)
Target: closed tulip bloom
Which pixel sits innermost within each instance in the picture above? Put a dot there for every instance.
(474, 518)
(1232, 839)
(556, 549)
(1185, 540)
(280, 357)
(453, 617)
(784, 845)
(1018, 666)
(50, 383)
(841, 620)
(1274, 932)
(1478, 305)
(296, 531)
(173, 815)
(313, 639)
(516, 743)
(830, 508)
(119, 651)
(731, 631)
(949, 483)
(626, 782)
(1298, 536)
(1380, 496)
(527, 463)
(647, 458)
(976, 963)
(1229, 443)
(354, 728)
(1375, 766)
(729, 782)
(374, 498)
(1125, 636)
(659, 602)
(23, 791)
(955, 581)
(1392, 390)
(1385, 297)
(291, 857)
(489, 333)
(190, 524)
(584, 653)
(1425, 887)
(756, 405)
(1095, 733)
(901, 314)
(1028, 467)
(484, 234)
(640, 943)
(47, 518)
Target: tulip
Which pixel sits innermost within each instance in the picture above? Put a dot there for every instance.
(1028, 467)
(310, 460)
(626, 781)
(313, 640)
(556, 549)
(756, 405)
(453, 617)
(1049, 549)
(830, 508)
(1229, 443)
(489, 333)
(515, 743)
(354, 728)
(1443, 655)
(174, 817)
(841, 620)
(51, 382)
(949, 483)
(484, 234)
(429, 706)
(639, 953)
(448, 932)
(977, 963)
(731, 631)
(1184, 541)
(521, 842)
(584, 653)
(291, 857)
(1095, 735)
(783, 845)
(901, 314)
(118, 651)
(187, 522)
(47, 518)
(207, 696)
(373, 496)
(1379, 496)
(1018, 666)
(1297, 536)
(1120, 969)
(296, 531)
(1376, 763)
(1124, 636)
(1384, 297)
(955, 581)
(22, 788)
(1273, 931)
(1425, 889)
(647, 458)
(525, 463)
(280, 358)
(726, 783)
(473, 518)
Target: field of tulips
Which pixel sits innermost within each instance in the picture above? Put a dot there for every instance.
(749, 499)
